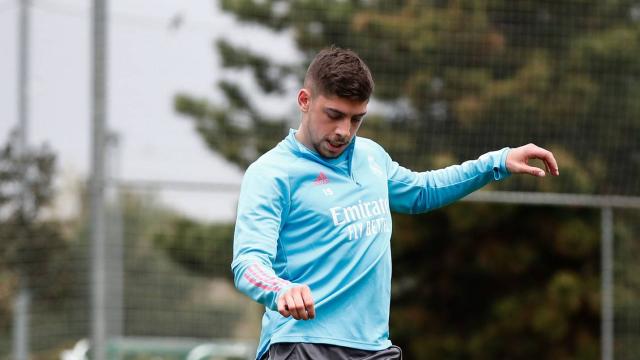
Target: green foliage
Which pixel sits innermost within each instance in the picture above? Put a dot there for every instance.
(33, 251)
(561, 70)
(474, 286)
(178, 273)
(203, 249)
(463, 77)
(627, 289)
(232, 130)
(267, 75)
(35, 254)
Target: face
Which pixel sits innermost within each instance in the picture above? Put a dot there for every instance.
(329, 123)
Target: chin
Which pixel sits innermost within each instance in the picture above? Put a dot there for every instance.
(329, 155)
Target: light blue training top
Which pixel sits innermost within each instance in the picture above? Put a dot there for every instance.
(304, 219)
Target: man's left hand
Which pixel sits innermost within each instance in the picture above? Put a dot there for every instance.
(518, 161)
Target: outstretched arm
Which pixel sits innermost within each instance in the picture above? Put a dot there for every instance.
(518, 161)
(416, 192)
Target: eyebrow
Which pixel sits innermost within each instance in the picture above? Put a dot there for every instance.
(338, 112)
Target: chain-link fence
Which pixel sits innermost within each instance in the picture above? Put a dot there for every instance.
(169, 290)
(627, 307)
(553, 262)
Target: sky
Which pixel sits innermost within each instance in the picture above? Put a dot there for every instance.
(156, 49)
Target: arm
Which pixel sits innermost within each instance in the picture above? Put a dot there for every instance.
(415, 192)
(412, 192)
(262, 205)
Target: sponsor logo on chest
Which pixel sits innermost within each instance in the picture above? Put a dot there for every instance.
(365, 218)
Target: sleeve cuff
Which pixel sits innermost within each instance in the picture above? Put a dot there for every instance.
(500, 170)
(282, 290)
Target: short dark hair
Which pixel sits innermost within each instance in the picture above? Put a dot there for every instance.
(339, 72)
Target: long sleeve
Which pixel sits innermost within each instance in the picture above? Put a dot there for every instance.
(262, 205)
(416, 192)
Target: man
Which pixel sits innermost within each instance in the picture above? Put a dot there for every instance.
(313, 230)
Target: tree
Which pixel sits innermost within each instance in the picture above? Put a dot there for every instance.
(201, 248)
(179, 261)
(453, 70)
(34, 252)
(461, 77)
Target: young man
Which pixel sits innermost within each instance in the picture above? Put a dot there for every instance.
(313, 229)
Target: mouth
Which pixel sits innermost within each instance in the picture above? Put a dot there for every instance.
(335, 146)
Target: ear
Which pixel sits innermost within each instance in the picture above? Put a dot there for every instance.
(304, 100)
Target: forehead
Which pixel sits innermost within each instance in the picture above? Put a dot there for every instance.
(344, 105)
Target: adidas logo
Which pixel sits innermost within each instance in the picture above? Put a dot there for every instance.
(321, 179)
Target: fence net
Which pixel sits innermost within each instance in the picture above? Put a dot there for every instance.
(627, 287)
(454, 79)
(168, 283)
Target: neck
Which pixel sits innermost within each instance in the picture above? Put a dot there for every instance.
(301, 136)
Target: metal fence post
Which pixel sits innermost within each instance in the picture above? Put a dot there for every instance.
(97, 183)
(22, 302)
(21, 325)
(606, 328)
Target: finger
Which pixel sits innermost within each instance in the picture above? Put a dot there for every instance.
(308, 303)
(300, 308)
(551, 163)
(532, 170)
(283, 309)
(549, 160)
(292, 307)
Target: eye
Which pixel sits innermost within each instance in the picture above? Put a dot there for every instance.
(334, 115)
(356, 119)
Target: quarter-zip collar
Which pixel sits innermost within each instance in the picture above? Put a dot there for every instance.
(294, 145)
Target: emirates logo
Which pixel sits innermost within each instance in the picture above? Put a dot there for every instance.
(321, 179)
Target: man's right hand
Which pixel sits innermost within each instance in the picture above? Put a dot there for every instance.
(297, 302)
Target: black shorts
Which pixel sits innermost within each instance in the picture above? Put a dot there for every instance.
(307, 351)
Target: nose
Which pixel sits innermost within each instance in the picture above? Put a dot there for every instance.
(343, 128)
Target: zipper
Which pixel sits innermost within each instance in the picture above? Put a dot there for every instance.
(318, 159)
(335, 168)
(353, 178)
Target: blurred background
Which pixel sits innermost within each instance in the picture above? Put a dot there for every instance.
(125, 128)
